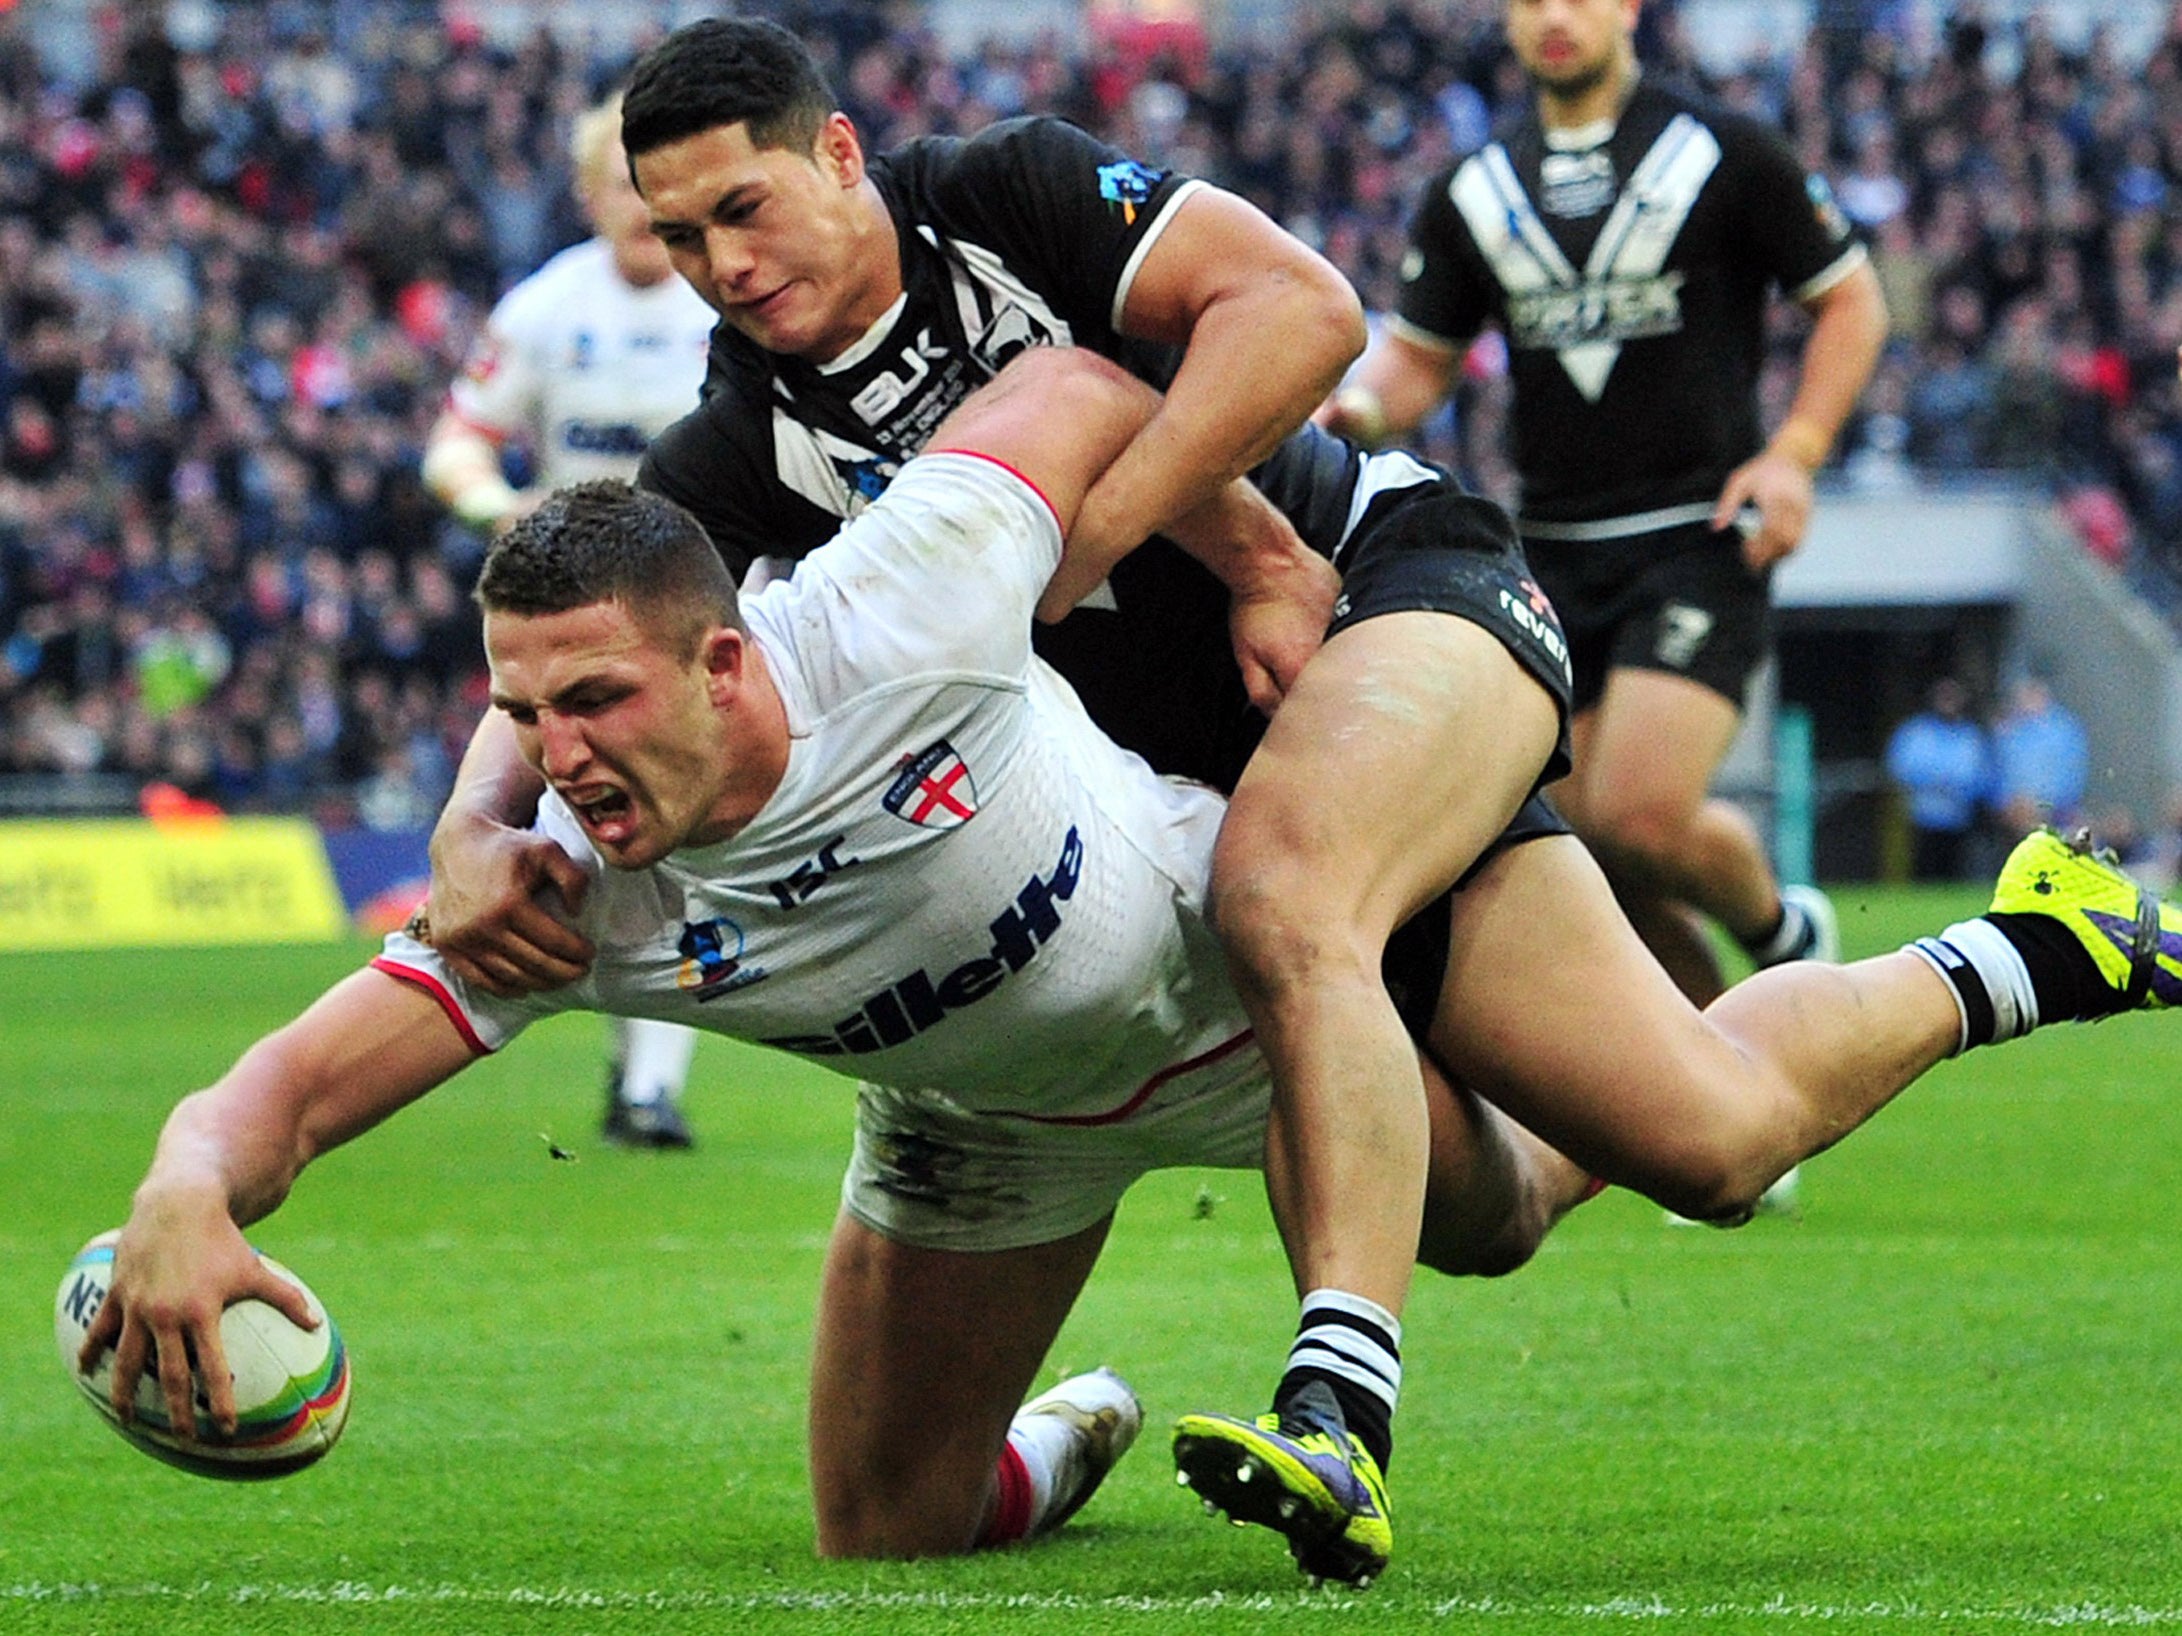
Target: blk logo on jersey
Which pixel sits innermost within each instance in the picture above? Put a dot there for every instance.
(934, 789)
(910, 1005)
(1127, 184)
(887, 390)
(712, 965)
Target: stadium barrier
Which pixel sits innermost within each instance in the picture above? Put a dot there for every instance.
(199, 882)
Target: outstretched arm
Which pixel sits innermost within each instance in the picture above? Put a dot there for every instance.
(229, 1154)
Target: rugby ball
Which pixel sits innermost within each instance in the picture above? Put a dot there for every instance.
(291, 1384)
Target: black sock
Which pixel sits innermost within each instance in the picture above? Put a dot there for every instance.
(2065, 978)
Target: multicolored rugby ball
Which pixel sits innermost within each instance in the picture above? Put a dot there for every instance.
(291, 1384)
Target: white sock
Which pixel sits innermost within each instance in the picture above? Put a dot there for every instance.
(654, 1058)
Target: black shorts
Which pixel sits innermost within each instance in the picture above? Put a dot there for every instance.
(1415, 962)
(1436, 548)
(1681, 600)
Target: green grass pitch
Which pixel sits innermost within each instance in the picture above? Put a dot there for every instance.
(1946, 1397)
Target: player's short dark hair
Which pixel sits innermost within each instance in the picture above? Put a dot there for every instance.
(726, 71)
(606, 541)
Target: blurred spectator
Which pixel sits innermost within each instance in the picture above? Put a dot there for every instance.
(2041, 760)
(1942, 763)
(242, 260)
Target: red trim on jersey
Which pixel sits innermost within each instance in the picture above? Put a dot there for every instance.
(495, 435)
(1143, 1094)
(1010, 1520)
(995, 460)
(438, 990)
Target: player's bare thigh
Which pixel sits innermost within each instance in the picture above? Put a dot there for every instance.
(920, 1361)
(1554, 1011)
(1405, 747)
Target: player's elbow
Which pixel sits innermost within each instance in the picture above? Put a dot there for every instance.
(1332, 317)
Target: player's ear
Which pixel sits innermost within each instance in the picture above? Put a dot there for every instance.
(840, 151)
(726, 657)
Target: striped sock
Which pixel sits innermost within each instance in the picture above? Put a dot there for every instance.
(1993, 991)
(1347, 1356)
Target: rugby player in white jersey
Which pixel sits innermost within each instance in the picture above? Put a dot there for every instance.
(855, 819)
(584, 363)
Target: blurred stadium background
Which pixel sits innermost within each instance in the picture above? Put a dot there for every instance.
(243, 247)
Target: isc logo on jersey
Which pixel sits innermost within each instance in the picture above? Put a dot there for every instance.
(910, 1005)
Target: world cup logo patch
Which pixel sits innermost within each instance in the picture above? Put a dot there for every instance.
(712, 963)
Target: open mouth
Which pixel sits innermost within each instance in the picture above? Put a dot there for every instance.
(607, 814)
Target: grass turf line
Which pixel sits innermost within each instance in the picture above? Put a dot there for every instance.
(1947, 1396)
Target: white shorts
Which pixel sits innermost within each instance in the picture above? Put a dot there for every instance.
(927, 1171)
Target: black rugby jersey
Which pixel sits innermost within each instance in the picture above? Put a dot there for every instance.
(1630, 279)
(1026, 234)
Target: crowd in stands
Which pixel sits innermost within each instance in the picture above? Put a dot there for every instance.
(240, 260)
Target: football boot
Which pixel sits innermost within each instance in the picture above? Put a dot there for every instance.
(1105, 1417)
(2133, 938)
(1307, 1479)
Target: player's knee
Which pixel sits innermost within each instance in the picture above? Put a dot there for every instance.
(1717, 1184)
(1277, 941)
(1506, 1246)
(857, 1522)
(1637, 835)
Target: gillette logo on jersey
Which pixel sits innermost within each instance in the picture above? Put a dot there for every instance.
(910, 1005)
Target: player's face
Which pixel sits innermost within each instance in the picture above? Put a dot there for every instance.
(620, 216)
(627, 731)
(782, 244)
(1569, 47)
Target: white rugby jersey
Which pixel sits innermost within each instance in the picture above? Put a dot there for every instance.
(585, 365)
(960, 885)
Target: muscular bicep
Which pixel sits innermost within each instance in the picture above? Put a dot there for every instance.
(1218, 247)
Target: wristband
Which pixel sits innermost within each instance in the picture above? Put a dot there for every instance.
(1800, 441)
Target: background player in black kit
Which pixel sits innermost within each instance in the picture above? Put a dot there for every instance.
(1624, 236)
(861, 301)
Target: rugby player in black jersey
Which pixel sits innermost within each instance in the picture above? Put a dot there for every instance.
(1623, 235)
